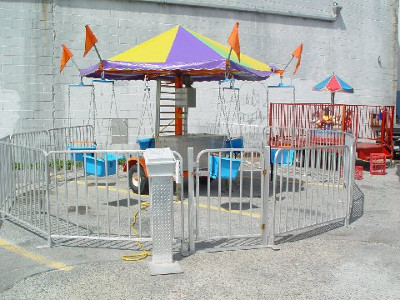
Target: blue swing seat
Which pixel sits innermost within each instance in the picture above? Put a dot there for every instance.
(98, 166)
(81, 146)
(146, 143)
(285, 157)
(226, 171)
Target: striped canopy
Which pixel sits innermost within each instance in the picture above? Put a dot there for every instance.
(333, 84)
(178, 51)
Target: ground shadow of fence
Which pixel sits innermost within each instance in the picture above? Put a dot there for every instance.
(357, 210)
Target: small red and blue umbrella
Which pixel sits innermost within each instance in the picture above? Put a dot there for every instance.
(333, 84)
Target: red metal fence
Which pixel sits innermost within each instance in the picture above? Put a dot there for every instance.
(365, 122)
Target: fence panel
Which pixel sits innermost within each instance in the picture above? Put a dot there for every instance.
(24, 186)
(68, 137)
(35, 139)
(252, 135)
(365, 122)
(229, 198)
(302, 137)
(310, 187)
(5, 139)
(102, 195)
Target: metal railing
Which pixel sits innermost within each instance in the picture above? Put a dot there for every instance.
(91, 197)
(80, 194)
(23, 186)
(302, 137)
(5, 139)
(252, 135)
(34, 139)
(227, 196)
(311, 186)
(365, 122)
(71, 137)
(87, 194)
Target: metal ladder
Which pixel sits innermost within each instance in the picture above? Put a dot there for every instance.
(165, 109)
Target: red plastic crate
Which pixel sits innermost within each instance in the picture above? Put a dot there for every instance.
(358, 175)
(377, 164)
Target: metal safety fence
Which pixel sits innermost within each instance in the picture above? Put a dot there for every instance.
(56, 139)
(245, 198)
(365, 122)
(92, 196)
(311, 186)
(23, 186)
(234, 197)
(80, 195)
(76, 137)
(227, 197)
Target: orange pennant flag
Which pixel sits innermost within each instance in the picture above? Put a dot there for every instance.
(90, 40)
(297, 53)
(65, 57)
(233, 40)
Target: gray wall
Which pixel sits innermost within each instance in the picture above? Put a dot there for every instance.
(360, 46)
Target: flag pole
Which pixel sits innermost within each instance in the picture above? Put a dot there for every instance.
(227, 62)
(75, 64)
(97, 51)
(229, 55)
(288, 63)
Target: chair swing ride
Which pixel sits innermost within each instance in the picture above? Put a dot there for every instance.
(176, 59)
(99, 166)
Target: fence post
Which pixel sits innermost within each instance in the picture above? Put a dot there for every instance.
(160, 164)
(272, 204)
(350, 180)
(266, 216)
(191, 215)
(47, 179)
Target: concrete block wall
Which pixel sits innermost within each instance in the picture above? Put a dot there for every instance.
(360, 46)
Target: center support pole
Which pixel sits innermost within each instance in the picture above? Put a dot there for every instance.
(160, 163)
(178, 110)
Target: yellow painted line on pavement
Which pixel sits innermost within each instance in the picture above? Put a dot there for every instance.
(340, 186)
(232, 211)
(32, 256)
(113, 189)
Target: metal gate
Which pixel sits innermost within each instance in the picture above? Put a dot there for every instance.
(228, 190)
(23, 186)
(311, 187)
(85, 197)
(80, 197)
(233, 204)
(91, 198)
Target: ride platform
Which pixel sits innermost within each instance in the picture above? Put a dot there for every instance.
(364, 150)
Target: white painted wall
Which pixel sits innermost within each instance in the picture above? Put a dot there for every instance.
(360, 46)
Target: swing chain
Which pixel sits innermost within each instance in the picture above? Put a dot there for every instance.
(113, 102)
(219, 111)
(146, 107)
(69, 107)
(224, 107)
(92, 109)
(95, 120)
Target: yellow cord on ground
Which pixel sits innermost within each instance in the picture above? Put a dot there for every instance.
(145, 253)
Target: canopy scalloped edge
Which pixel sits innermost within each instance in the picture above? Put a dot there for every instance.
(199, 71)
